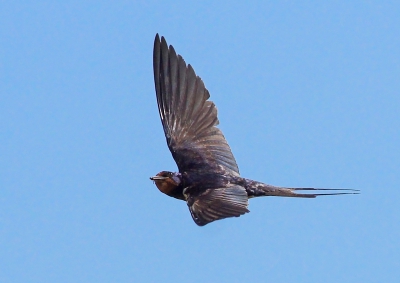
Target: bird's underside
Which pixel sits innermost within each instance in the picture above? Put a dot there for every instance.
(231, 198)
(208, 178)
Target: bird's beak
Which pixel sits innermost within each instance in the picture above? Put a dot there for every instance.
(155, 178)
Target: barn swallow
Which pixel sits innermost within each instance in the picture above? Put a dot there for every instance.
(208, 178)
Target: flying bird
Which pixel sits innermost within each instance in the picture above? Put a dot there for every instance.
(208, 178)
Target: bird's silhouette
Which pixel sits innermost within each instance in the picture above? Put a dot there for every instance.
(208, 178)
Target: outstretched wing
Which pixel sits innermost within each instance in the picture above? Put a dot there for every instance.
(215, 204)
(188, 118)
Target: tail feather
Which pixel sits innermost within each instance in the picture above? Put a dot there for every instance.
(256, 189)
(313, 195)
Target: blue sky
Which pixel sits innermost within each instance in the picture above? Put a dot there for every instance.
(307, 95)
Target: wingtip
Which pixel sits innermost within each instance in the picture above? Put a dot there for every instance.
(164, 41)
(159, 41)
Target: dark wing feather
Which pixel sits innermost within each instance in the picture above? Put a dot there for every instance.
(215, 204)
(188, 118)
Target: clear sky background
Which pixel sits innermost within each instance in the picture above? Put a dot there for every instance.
(307, 95)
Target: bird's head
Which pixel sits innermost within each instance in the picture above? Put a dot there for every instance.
(167, 182)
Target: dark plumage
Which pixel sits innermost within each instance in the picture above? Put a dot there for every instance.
(208, 178)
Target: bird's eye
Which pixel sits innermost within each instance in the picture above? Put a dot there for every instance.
(165, 174)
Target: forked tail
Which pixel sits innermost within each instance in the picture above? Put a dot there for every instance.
(256, 189)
